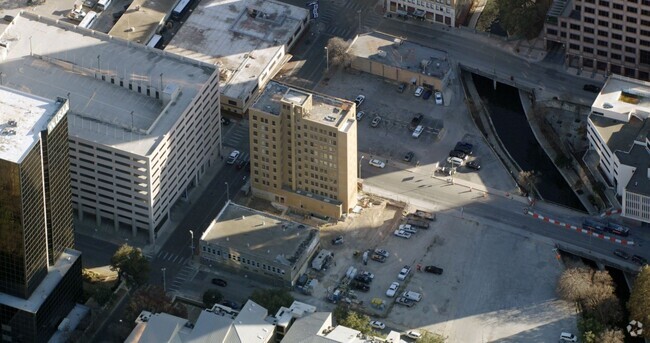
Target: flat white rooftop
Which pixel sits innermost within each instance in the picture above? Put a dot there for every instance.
(22, 118)
(141, 20)
(241, 36)
(54, 59)
(54, 275)
(624, 95)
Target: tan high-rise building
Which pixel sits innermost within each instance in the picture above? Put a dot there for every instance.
(304, 150)
(445, 12)
(610, 37)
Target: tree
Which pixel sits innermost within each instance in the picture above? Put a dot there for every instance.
(337, 50)
(129, 262)
(154, 300)
(589, 328)
(594, 291)
(211, 297)
(102, 294)
(357, 321)
(272, 299)
(611, 336)
(523, 18)
(639, 303)
(528, 180)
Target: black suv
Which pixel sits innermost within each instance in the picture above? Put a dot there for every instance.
(622, 254)
(416, 121)
(409, 156)
(433, 270)
(464, 147)
(459, 154)
(363, 278)
(591, 88)
(639, 260)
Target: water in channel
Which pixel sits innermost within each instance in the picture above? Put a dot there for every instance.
(512, 127)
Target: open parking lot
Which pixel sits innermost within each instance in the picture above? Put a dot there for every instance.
(497, 285)
(444, 125)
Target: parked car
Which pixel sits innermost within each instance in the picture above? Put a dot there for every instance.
(362, 278)
(377, 163)
(622, 254)
(378, 258)
(219, 282)
(401, 88)
(392, 289)
(368, 274)
(405, 302)
(402, 234)
(382, 252)
(639, 260)
(418, 131)
(408, 228)
(464, 147)
(415, 296)
(591, 88)
(375, 121)
(438, 97)
(404, 273)
(359, 100)
(409, 156)
(459, 154)
(427, 94)
(377, 324)
(419, 91)
(433, 270)
(568, 337)
(242, 163)
(413, 334)
(337, 240)
(232, 304)
(473, 165)
(416, 121)
(360, 286)
(233, 157)
(360, 115)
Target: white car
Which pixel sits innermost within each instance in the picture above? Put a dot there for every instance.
(360, 99)
(413, 334)
(377, 163)
(568, 337)
(403, 273)
(367, 274)
(392, 290)
(419, 91)
(418, 131)
(408, 228)
(233, 157)
(438, 97)
(402, 233)
(377, 324)
(382, 252)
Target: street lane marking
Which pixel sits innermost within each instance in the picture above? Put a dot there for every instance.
(175, 258)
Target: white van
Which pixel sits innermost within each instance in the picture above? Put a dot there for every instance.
(102, 5)
(568, 337)
(415, 296)
(456, 161)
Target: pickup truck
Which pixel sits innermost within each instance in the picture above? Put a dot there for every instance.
(425, 215)
(417, 222)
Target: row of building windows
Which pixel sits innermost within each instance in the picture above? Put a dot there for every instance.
(637, 205)
(243, 260)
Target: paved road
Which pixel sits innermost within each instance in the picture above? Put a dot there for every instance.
(95, 252)
(418, 188)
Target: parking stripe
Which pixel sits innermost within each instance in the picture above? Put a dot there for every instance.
(175, 258)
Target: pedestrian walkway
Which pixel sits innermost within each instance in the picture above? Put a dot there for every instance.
(330, 13)
(237, 134)
(171, 257)
(186, 273)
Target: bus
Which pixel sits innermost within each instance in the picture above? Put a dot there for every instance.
(154, 41)
(180, 9)
(89, 20)
(103, 4)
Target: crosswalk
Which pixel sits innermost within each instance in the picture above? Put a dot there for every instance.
(236, 135)
(173, 258)
(186, 273)
(364, 12)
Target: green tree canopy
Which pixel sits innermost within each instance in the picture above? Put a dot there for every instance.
(131, 263)
(211, 297)
(354, 320)
(272, 299)
(639, 303)
(523, 18)
(430, 337)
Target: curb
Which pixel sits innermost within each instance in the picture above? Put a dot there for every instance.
(610, 212)
(578, 229)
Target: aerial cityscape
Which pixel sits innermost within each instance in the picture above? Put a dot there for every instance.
(344, 171)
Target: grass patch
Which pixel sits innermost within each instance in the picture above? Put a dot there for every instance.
(490, 14)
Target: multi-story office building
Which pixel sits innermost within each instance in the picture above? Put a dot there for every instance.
(258, 245)
(40, 274)
(247, 39)
(144, 123)
(304, 150)
(610, 37)
(445, 12)
(619, 132)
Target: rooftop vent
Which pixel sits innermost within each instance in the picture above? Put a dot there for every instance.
(608, 105)
(8, 132)
(381, 53)
(330, 118)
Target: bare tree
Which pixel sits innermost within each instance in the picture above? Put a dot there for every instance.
(611, 336)
(337, 50)
(528, 180)
(639, 303)
(594, 291)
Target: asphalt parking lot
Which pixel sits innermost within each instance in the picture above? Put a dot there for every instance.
(497, 285)
(392, 138)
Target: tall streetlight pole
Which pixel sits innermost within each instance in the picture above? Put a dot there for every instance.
(164, 279)
(359, 12)
(192, 241)
(327, 59)
(227, 191)
(361, 159)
